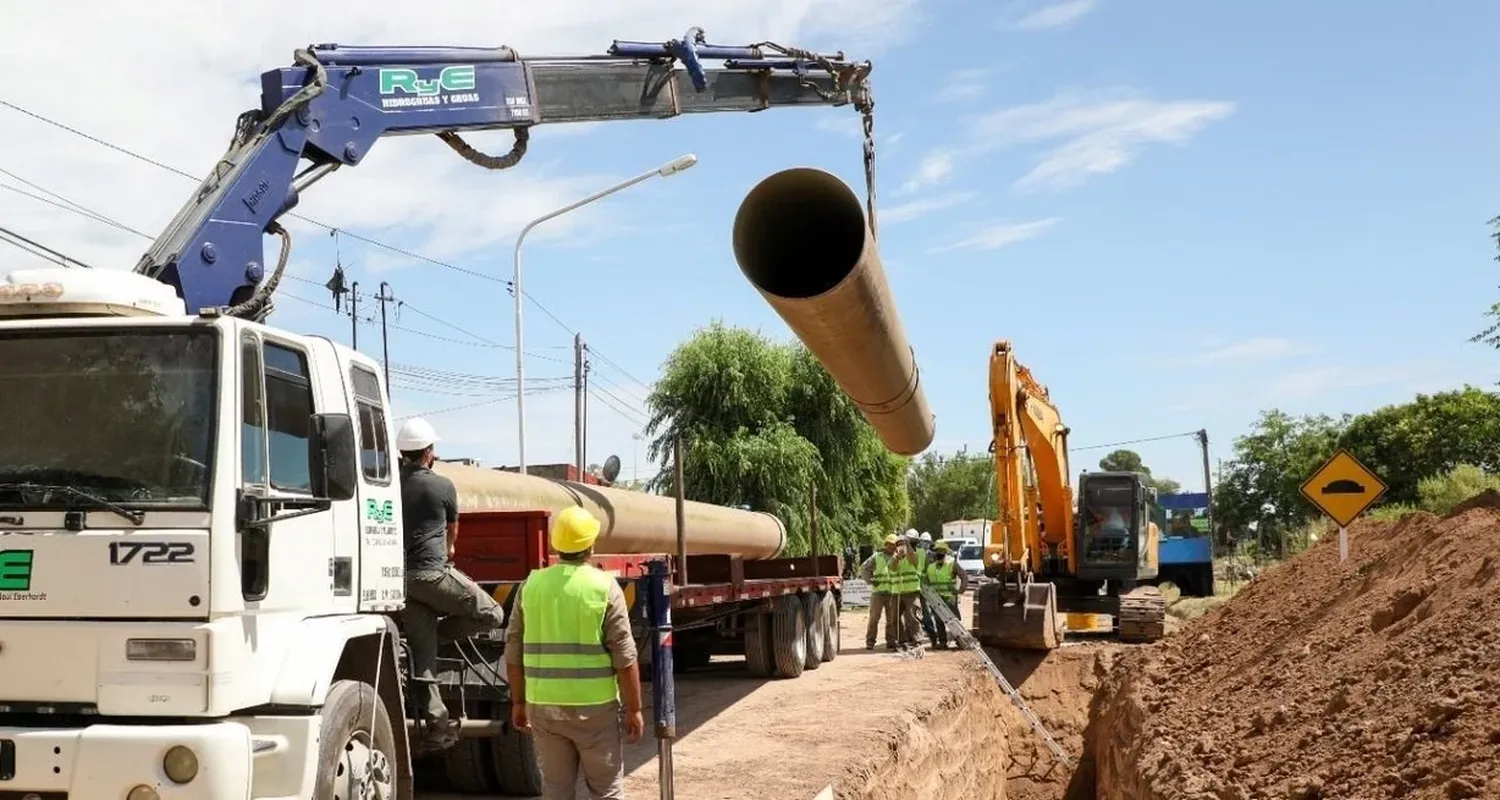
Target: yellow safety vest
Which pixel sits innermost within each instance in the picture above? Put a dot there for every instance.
(562, 644)
(908, 579)
(941, 578)
(882, 574)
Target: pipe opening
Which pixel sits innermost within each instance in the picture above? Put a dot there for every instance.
(799, 233)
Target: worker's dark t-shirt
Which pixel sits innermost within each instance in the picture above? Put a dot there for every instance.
(428, 504)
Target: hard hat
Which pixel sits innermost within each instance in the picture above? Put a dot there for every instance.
(941, 547)
(416, 434)
(911, 533)
(926, 537)
(891, 538)
(574, 530)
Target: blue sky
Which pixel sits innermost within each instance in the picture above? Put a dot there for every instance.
(1181, 213)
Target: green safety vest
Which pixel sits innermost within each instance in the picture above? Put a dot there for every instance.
(940, 577)
(882, 573)
(908, 578)
(562, 644)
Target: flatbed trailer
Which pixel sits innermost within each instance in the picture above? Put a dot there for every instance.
(780, 614)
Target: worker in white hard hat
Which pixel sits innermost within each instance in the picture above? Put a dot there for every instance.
(877, 572)
(442, 603)
(571, 661)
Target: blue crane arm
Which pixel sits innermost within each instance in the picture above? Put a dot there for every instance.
(336, 102)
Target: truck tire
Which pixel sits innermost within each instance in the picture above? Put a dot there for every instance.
(758, 651)
(516, 767)
(831, 634)
(812, 611)
(789, 636)
(467, 765)
(356, 747)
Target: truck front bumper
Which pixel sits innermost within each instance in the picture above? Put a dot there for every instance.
(125, 762)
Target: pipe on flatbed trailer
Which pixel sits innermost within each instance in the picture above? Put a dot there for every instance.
(801, 238)
(633, 522)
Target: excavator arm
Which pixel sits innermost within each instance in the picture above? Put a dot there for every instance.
(1035, 502)
(335, 102)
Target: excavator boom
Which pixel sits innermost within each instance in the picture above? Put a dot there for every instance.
(335, 102)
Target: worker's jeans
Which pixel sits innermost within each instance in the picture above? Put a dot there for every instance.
(883, 603)
(906, 609)
(443, 606)
(573, 742)
(937, 632)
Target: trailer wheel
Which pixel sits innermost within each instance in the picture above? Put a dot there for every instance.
(468, 763)
(356, 747)
(758, 652)
(516, 768)
(812, 611)
(789, 636)
(829, 608)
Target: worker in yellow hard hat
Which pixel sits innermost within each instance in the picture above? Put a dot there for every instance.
(947, 581)
(571, 660)
(876, 571)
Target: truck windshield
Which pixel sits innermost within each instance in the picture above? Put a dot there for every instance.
(1108, 520)
(125, 415)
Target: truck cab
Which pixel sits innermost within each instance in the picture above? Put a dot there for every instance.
(199, 551)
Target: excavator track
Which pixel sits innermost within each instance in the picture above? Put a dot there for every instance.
(1143, 615)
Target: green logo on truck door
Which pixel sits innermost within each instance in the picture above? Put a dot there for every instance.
(15, 570)
(381, 512)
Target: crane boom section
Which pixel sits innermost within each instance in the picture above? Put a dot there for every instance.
(1035, 514)
(336, 101)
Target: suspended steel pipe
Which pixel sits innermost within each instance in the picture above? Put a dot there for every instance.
(801, 239)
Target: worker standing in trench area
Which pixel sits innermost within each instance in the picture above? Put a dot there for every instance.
(877, 572)
(571, 658)
(947, 582)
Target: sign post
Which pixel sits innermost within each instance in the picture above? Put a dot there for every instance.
(1343, 489)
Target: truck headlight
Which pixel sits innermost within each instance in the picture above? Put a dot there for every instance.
(161, 650)
(181, 764)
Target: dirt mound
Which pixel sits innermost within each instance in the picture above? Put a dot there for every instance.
(1373, 678)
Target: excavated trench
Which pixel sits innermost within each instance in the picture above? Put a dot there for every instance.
(973, 742)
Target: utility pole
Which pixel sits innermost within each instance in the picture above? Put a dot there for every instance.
(354, 316)
(578, 455)
(584, 448)
(1208, 487)
(384, 297)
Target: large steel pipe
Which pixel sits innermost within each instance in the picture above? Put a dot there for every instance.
(800, 237)
(634, 522)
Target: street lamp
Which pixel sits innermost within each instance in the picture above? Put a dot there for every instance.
(635, 460)
(667, 170)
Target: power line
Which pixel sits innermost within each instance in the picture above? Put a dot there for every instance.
(71, 209)
(31, 246)
(629, 416)
(375, 242)
(1134, 441)
(481, 403)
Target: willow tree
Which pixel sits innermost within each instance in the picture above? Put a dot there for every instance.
(761, 423)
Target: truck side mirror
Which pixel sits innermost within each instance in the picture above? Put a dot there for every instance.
(332, 458)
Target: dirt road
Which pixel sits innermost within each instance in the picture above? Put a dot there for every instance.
(742, 738)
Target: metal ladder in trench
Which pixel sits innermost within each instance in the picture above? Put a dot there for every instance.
(961, 635)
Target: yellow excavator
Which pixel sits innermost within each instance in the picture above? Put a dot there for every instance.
(1056, 570)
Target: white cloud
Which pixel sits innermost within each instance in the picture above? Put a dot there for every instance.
(1081, 135)
(1053, 15)
(916, 209)
(1264, 348)
(934, 168)
(964, 84)
(179, 76)
(1002, 234)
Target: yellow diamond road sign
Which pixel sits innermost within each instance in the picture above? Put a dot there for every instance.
(1343, 488)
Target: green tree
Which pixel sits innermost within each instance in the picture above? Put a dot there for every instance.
(1428, 436)
(1262, 482)
(1130, 461)
(1491, 333)
(761, 423)
(947, 488)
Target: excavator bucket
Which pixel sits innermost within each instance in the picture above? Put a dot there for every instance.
(1019, 619)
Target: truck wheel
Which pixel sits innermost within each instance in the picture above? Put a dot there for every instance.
(812, 611)
(758, 652)
(831, 638)
(467, 763)
(516, 767)
(356, 748)
(789, 636)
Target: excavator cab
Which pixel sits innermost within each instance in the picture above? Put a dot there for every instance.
(1114, 535)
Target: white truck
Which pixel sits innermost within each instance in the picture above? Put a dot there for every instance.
(200, 541)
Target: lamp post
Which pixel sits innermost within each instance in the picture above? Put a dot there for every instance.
(635, 459)
(667, 170)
